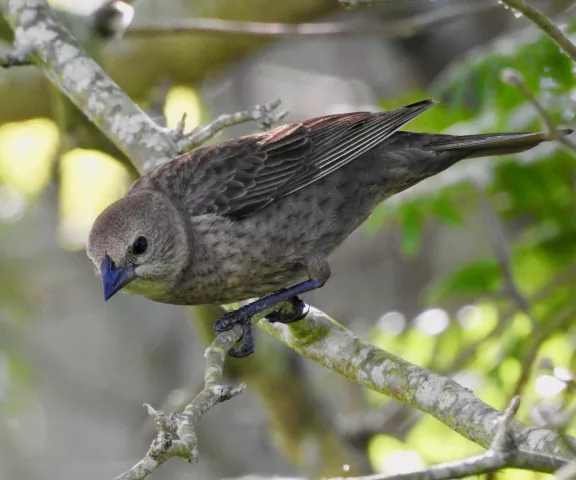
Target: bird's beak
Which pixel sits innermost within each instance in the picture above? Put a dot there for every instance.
(114, 278)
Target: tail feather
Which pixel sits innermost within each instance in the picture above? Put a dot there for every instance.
(489, 144)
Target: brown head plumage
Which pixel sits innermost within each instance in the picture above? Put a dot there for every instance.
(139, 240)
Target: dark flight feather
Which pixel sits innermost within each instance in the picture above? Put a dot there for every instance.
(243, 175)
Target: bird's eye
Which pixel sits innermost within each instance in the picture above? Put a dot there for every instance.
(139, 246)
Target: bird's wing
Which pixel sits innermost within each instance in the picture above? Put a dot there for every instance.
(240, 176)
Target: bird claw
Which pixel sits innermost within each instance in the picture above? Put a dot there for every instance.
(235, 317)
(243, 316)
(298, 311)
(244, 346)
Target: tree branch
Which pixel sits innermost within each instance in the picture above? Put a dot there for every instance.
(73, 72)
(302, 428)
(264, 116)
(396, 29)
(545, 24)
(502, 454)
(323, 340)
(317, 337)
(176, 435)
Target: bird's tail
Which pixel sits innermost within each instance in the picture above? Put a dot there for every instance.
(486, 145)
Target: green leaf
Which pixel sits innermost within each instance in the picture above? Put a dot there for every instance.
(410, 220)
(474, 82)
(477, 278)
(445, 210)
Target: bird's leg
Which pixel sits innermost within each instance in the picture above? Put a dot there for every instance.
(318, 273)
(244, 314)
(297, 311)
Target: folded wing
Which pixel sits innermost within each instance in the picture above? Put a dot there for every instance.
(238, 177)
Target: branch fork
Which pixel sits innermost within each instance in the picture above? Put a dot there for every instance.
(264, 116)
(176, 432)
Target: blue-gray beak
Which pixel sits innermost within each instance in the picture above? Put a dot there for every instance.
(114, 279)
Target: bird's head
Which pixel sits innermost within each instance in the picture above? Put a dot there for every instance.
(138, 242)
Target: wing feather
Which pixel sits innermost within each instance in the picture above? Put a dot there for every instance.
(238, 177)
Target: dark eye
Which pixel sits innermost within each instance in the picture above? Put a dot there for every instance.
(139, 246)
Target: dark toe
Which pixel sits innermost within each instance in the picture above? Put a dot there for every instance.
(297, 311)
(244, 346)
(230, 319)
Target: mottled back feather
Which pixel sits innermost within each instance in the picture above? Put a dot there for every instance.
(238, 177)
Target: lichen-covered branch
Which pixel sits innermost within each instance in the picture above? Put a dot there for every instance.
(325, 341)
(502, 453)
(72, 71)
(16, 58)
(176, 432)
(138, 65)
(301, 428)
(264, 115)
(317, 337)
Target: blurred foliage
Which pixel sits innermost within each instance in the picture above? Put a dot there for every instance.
(485, 336)
(181, 101)
(27, 152)
(534, 193)
(87, 181)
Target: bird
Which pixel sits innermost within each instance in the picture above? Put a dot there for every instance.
(258, 215)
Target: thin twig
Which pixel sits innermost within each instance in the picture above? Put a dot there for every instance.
(501, 442)
(177, 435)
(540, 330)
(264, 115)
(568, 275)
(320, 338)
(502, 251)
(538, 337)
(503, 453)
(558, 418)
(515, 78)
(317, 337)
(396, 29)
(545, 24)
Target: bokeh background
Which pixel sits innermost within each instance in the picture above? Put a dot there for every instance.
(471, 273)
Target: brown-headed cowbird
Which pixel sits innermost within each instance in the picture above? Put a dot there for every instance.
(249, 216)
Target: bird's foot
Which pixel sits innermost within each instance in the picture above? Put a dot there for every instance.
(244, 346)
(297, 310)
(235, 317)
